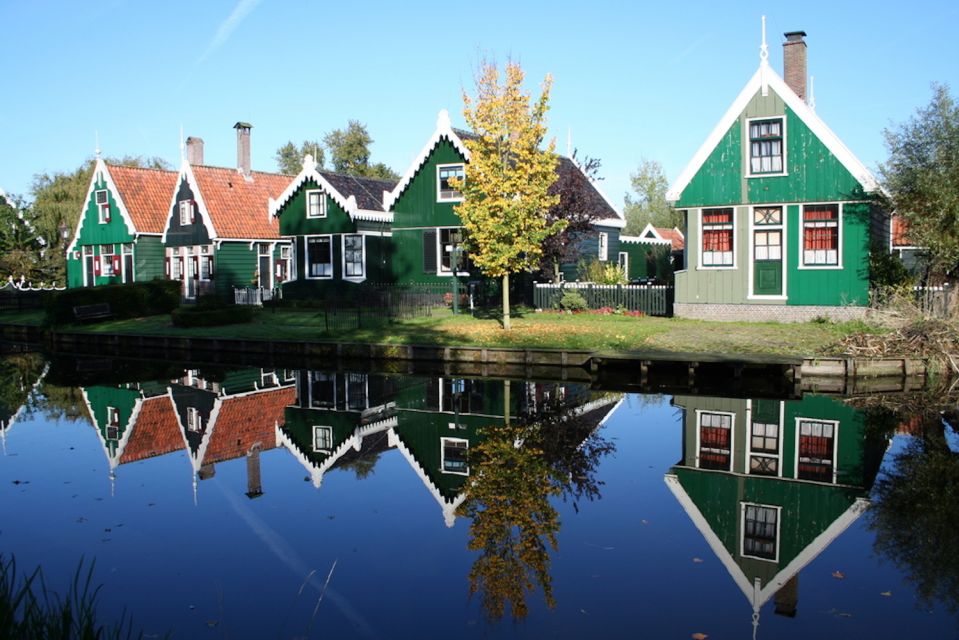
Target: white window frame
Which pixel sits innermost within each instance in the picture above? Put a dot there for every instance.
(440, 269)
(100, 205)
(453, 441)
(439, 191)
(106, 266)
(194, 421)
(781, 227)
(286, 257)
(802, 227)
(835, 446)
(602, 252)
(362, 276)
(748, 147)
(126, 249)
(763, 454)
(321, 208)
(699, 249)
(622, 261)
(732, 434)
(306, 261)
(186, 212)
(742, 528)
(327, 432)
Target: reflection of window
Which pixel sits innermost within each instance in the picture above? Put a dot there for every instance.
(817, 442)
(315, 204)
(319, 257)
(760, 531)
(715, 440)
(193, 420)
(322, 438)
(113, 423)
(766, 146)
(717, 248)
(356, 391)
(820, 235)
(454, 452)
(322, 390)
(445, 190)
(764, 446)
(353, 262)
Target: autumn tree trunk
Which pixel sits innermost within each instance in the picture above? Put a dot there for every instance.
(506, 324)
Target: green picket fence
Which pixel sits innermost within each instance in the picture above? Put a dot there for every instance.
(653, 300)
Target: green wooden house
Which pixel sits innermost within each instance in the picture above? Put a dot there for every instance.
(778, 218)
(770, 484)
(117, 238)
(218, 233)
(427, 232)
(338, 230)
(651, 255)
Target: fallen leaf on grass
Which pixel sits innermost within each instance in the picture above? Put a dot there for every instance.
(838, 575)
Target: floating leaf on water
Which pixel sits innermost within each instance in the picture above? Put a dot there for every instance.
(699, 636)
(838, 575)
(887, 594)
(698, 560)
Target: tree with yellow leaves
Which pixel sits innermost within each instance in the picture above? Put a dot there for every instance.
(506, 189)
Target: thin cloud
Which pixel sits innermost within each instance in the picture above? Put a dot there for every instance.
(226, 28)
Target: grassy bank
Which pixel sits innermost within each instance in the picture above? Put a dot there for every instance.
(543, 330)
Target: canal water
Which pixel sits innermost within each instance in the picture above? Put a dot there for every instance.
(264, 502)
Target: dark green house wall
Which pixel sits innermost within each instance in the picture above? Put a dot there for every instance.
(148, 258)
(190, 234)
(648, 260)
(235, 265)
(93, 233)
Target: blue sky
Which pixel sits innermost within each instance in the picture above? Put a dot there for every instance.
(631, 79)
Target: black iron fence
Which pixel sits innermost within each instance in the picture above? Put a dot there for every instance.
(653, 300)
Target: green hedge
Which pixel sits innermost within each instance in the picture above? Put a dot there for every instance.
(133, 300)
(186, 317)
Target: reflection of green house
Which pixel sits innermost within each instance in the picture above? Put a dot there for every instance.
(770, 484)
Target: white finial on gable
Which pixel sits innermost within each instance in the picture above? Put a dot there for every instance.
(96, 139)
(443, 120)
(309, 164)
(764, 61)
(811, 98)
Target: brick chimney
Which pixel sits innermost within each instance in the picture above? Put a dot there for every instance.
(194, 150)
(243, 147)
(794, 62)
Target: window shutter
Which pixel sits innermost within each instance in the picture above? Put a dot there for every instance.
(209, 264)
(196, 267)
(182, 270)
(192, 211)
(106, 212)
(116, 263)
(96, 265)
(166, 266)
(279, 271)
(429, 251)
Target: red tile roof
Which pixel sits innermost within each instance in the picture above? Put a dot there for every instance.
(247, 420)
(155, 433)
(674, 236)
(899, 231)
(239, 207)
(146, 193)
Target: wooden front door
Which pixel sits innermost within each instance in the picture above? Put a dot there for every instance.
(768, 251)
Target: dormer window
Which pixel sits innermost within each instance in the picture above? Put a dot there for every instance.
(444, 190)
(766, 146)
(186, 212)
(103, 206)
(315, 204)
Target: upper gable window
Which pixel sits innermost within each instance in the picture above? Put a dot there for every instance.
(444, 190)
(186, 212)
(103, 206)
(315, 204)
(766, 146)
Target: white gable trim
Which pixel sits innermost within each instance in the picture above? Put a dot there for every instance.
(444, 129)
(187, 172)
(102, 170)
(765, 77)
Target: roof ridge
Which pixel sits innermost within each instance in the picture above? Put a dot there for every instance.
(117, 165)
(354, 176)
(233, 169)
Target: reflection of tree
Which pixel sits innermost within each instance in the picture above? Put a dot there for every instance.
(18, 374)
(916, 514)
(516, 470)
(62, 403)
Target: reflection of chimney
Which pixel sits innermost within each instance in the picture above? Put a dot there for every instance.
(794, 62)
(194, 150)
(254, 487)
(787, 598)
(207, 471)
(243, 147)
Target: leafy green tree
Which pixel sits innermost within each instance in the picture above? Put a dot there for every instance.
(508, 179)
(648, 202)
(289, 157)
(921, 177)
(22, 249)
(350, 152)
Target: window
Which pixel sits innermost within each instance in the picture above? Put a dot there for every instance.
(103, 206)
(106, 260)
(357, 391)
(353, 261)
(283, 266)
(820, 235)
(766, 146)
(603, 246)
(453, 456)
(760, 531)
(322, 439)
(444, 190)
(113, 423)
(176, 267)
(319, 257)
(127, 251)
(764, 448)
(193, 420)
(450, 239)
(315, 204)
(817, 441)
(322, 390)
(715, 440)
(186, 212)
(623, 262)
(206, 267)
(717, 249)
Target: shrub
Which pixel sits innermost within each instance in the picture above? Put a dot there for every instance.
(572, 301)
(601, 272)
(187, 317)
(132, 300)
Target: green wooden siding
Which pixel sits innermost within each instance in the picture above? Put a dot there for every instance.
(716, 285)
(642, 256)
(293, 220)
(92, 232)
(235, 266)
(121, 399)
(148, 256)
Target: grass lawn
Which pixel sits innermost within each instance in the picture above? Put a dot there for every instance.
(32, 317)
(546, 330)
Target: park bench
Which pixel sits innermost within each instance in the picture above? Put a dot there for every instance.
(88, 312)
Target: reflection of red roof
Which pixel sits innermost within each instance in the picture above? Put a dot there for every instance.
(240, 207)
(146, 195)
(675, 237)
(155, 433)
(244, 421)
(899, 228)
